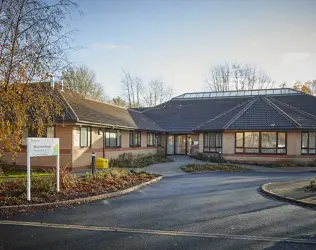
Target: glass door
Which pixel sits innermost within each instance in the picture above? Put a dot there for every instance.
(180, 144)
(170, 145)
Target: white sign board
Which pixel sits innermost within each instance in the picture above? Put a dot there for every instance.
(76, 139)
(41, 147)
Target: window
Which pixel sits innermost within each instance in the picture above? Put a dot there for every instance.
(158, 140)
(85, 134)
(261, 142)
(308, 143)
(28, 132)
(134, 139)
(151, 139)
(212, 142)
(112, 138)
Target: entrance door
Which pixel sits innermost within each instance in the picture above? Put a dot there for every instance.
(170, 145)
(180, 144)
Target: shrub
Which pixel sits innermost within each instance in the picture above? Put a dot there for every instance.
(128, 160)
(107, 174)
(67, 180)
(313, 184)
(207, 157)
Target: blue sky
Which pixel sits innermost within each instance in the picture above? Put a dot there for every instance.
(178, 41)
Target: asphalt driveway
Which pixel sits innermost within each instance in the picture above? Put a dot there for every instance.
(197, 211)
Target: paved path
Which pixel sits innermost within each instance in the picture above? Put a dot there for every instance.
(172, 168)
(198, 211)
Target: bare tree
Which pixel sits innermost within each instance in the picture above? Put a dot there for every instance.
(83, 81)
(132, 88)
(237, 76)
(157, 92)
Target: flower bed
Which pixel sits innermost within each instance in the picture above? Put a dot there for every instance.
(13, 191)
(190, 168)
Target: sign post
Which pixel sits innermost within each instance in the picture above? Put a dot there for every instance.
(41, 147)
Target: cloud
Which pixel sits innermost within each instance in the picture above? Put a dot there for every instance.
(108, 46)
(297, 57)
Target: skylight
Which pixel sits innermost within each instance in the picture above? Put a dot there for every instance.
(257, 92)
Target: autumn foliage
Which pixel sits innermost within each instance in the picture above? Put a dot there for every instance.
(32, 45)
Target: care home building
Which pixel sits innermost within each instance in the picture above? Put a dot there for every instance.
(255, 126)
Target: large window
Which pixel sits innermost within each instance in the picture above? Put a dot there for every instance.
(112, 138)
(212, 142)
(309, 143)
(151, 139)
(261, 142)
(85, 137)
(134, 139)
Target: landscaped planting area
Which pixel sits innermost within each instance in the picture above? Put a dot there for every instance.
(13, 190)
(191, 168)
(128, 160)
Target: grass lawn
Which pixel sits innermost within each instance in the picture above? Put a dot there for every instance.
(191, 168)
(22, 174)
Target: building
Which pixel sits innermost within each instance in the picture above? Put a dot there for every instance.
(273, 125)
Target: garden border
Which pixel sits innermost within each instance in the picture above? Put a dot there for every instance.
(85, 199)
(285, 198)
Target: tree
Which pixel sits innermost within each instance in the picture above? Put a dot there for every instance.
(308, 87)
(82, 80)
(32, 44)
(236, 76)
(132, 88)
(157, 92)
(118, 101)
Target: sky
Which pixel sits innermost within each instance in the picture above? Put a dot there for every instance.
(179, 41)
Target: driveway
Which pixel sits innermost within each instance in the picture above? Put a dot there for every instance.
(172, 168)
(198, 211)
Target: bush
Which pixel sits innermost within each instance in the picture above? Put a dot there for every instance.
(313, 184)
(67, 180)
(207, 158)
(128, 160)
(107, 174)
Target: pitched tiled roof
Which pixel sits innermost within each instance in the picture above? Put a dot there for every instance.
(292, 110)
(279, 111)
(90, 111)
(261, 115)
(185, 115)
(143, 122)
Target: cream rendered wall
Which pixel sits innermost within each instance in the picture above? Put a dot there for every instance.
(143, 139)
(125, 138)
(294, 143)
(201, 142)
(228, 143)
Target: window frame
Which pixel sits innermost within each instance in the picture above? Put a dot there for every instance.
(131, 139)
(217, 148)
(158, 140)
(153, 140)
(88, 137)
(260, 143)
(308, 148)
(118, 133)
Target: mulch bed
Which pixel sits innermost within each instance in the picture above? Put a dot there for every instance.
(212, 168)
(84, 188)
